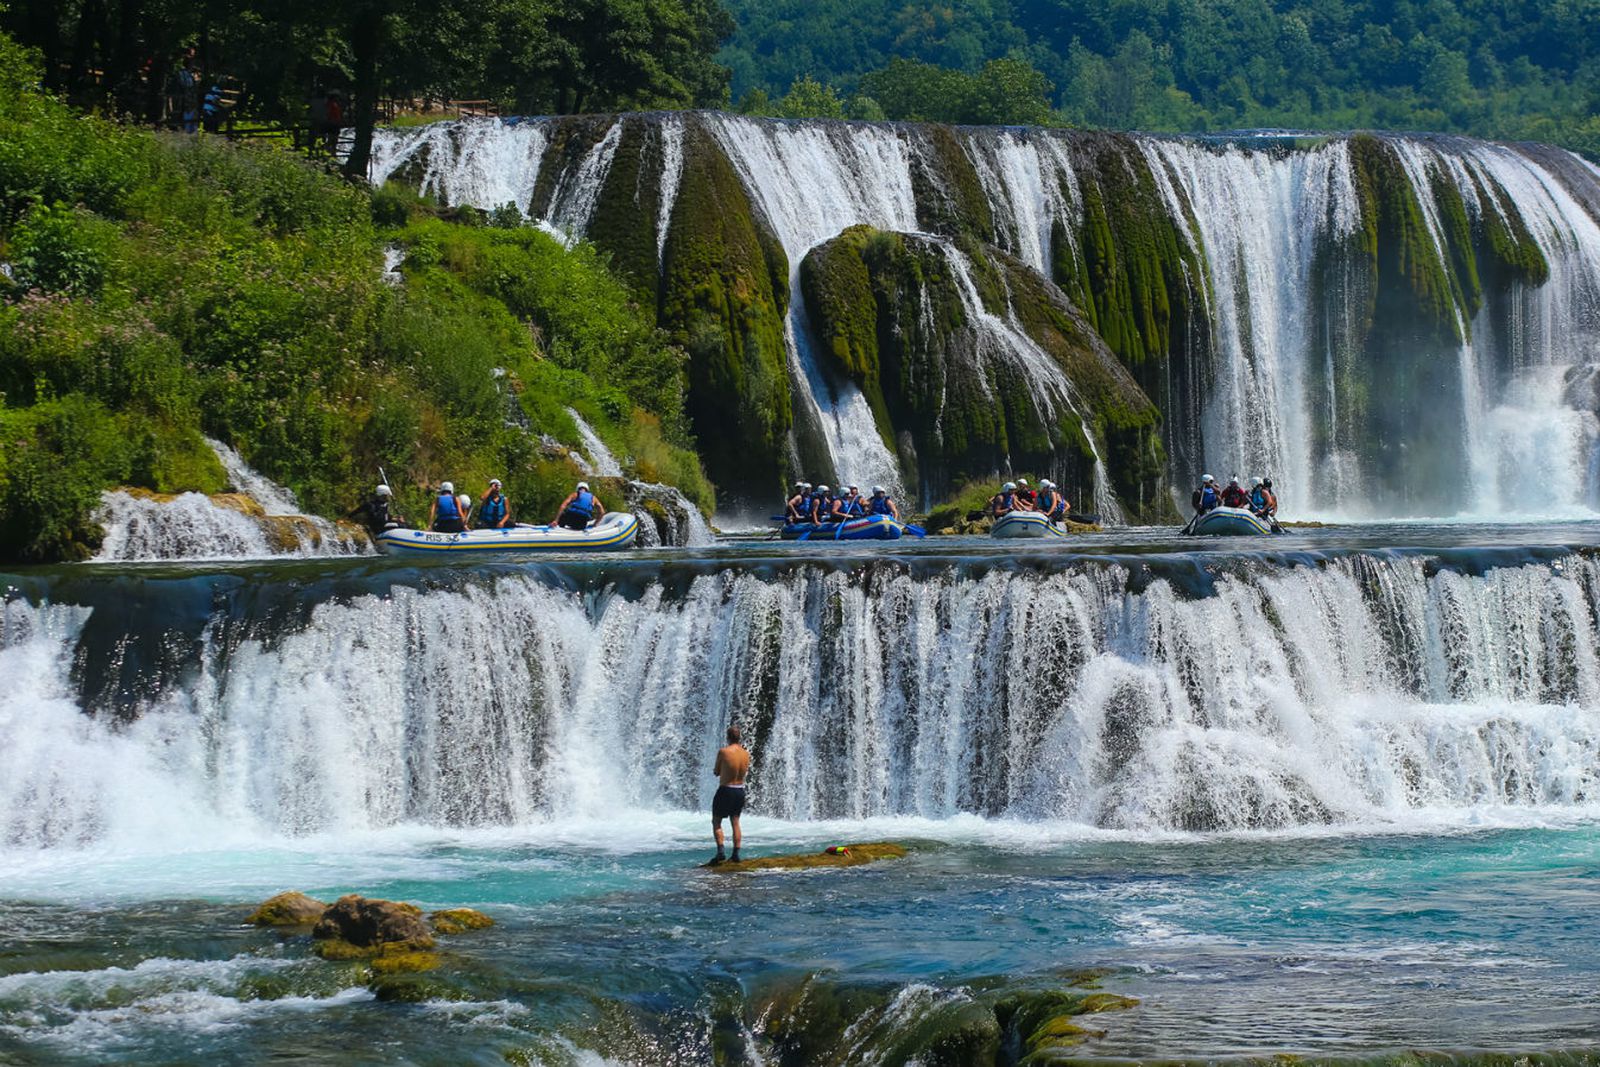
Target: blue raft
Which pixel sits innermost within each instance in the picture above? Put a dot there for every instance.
(1229, 522)
(867, 528)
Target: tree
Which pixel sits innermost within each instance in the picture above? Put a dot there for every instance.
(809, 98)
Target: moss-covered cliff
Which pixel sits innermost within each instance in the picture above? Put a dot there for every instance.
(724, 295)
(974, 364)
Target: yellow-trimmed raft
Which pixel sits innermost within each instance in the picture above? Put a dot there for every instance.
(616, 530)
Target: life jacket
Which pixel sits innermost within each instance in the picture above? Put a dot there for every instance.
(492, 509)
(879, 506)
(1258, 499)
(448, 508)
(582, 504)
(1008, 501)
(1234, 497)
(1208, 497)
(855, 509)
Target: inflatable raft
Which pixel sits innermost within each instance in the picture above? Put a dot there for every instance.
(867, 528)
(616, 530)
(1229, 522)
(1025, 524)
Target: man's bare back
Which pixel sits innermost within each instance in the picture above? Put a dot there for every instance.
(733, 763)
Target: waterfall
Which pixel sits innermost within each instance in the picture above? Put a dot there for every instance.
(1270, 221)
(1261, 220)
(1376, 690)
(482, 162)
(598, 460)
(812, 181)
(1002, 338)
(260, 519)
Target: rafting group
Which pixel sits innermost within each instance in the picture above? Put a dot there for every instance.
(1019, 510)
(817, 512)
(581, 521)
(1230, 510)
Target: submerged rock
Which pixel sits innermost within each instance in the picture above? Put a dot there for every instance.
(288, 909)
(851, 856)
(356, 927)
(459, 921)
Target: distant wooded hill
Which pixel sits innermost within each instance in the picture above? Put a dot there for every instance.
(1496, 68)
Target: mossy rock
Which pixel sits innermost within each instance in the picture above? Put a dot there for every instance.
(459, 920)
(724, 296)
(411, 988)
(287, 909)
(243, 503)
(1046, 1025)
(858, 855)
(395, 956)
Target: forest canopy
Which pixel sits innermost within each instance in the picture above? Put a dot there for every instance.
(1494, 68)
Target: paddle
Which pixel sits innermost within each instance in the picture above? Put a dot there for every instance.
(913, 530)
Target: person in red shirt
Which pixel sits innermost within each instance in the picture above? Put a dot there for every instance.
(1234, 495)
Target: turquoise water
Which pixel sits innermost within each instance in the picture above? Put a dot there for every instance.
(1335, 796)
(1243, 946)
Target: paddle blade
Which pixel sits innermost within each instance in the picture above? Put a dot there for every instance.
(914, 531)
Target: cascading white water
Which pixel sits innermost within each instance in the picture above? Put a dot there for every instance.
(1002, 338)
(1367, 689)
(811, 182)
(482, 162)
(1257, 214)
(193, 526)
(598, 460)
(1260, 220)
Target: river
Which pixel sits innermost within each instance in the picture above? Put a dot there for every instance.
(1332, 795)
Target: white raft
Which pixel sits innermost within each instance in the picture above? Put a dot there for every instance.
(1025, 524)
(1229, 522)
(616, 530)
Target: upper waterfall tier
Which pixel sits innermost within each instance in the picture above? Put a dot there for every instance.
(1387, 325)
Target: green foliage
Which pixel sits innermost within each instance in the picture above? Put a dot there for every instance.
(234, 292)
(809, 98)
(60, 250)
(1005, 92)
(1511, 71)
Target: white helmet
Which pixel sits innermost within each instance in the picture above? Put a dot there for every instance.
(1256, 480)
(877, 490)
(1234, 480)
(1046, 483)
(822, 489)
(384, 490)
(495, 482)
(855, 489)
(1022, 481)
(466, 502)
(1008, 487)
(583, 485)
(1207, 478)
(447, 487)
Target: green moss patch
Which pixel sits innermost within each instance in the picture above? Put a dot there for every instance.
(857, 856)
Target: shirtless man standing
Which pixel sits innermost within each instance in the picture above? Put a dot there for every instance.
(733, 763)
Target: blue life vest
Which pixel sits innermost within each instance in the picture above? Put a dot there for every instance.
(1008, 501)
(492, 509)
(1208, 497)
(855, 509)
(448, 508)
(582, 504)
(1258, 499)
(880, 506)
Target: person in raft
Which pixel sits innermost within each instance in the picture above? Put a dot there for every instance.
(376, 515)
(1206, 497)
(579, 509)
(880, 504)
(494, 510)
(445, 515)
(1234, 495)
(1007, 500)
(821, 505)
(1050, 502)
(733, 763)
(798, 507)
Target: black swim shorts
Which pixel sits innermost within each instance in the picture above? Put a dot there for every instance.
(728, 802)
